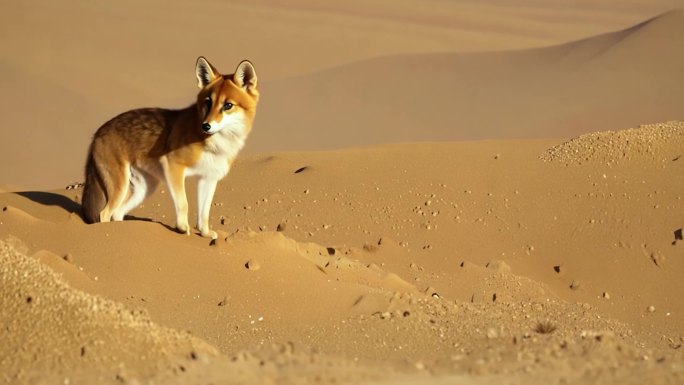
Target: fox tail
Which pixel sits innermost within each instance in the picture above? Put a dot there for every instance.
(94, 198)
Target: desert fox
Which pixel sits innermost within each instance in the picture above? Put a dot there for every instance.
(133, 151)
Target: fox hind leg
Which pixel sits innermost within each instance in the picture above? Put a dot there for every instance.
(142, 185)
(117, 181)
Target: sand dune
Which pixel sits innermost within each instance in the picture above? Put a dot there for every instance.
(617, 80)
(536, 260)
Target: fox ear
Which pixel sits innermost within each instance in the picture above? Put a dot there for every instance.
(245, 76)
(206, 73)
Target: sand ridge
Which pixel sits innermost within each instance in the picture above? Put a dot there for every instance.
(664, 140)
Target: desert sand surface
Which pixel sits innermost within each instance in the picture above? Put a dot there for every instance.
(533, 261)
(434, 192)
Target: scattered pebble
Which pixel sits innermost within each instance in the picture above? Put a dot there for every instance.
(606, 295)
(651, 309)
(253, 265)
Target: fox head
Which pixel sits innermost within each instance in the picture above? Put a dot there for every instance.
(226, 102)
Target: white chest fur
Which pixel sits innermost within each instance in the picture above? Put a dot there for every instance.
(220, 149)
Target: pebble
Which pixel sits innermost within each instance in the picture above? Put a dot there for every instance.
(651, 309)
(606, 295)
(253, 265)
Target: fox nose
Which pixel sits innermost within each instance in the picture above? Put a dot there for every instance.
(206, 127)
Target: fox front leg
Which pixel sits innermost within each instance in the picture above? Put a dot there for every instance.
(205, 194)
(175, 179)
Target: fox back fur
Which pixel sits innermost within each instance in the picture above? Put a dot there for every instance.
(132, 152)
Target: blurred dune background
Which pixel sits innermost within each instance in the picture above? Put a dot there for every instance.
(332, 72)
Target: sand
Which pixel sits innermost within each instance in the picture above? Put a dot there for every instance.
(472, 193)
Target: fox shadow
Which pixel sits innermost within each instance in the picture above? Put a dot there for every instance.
(52, 199)
(73, 207)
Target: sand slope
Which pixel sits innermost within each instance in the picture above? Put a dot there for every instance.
(431, 261)
(617, 80)
(53, 333)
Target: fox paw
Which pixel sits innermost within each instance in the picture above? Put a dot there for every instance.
(183, 229)
(209, 234)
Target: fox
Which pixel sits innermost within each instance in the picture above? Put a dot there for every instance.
(131, 153)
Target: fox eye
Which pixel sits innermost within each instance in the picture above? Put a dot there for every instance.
(227, 106)
(207, 102)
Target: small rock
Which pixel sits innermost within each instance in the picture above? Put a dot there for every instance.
(253, 265)
(575, 285)
(606, 295)
(281, 226)
(651, 309)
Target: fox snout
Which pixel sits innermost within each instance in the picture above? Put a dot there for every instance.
(206, 127)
